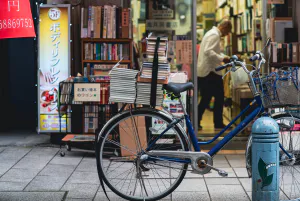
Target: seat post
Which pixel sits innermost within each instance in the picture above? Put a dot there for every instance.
(180, 101)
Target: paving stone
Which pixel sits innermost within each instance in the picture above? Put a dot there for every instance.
(100, 196)
(32, 163)
(214, 173)
(57, 170)
(219, 181)
(78, 199)
(227, 193)
(247, 183)
(12, 186)
(67, 159)
(192, 185)
(19, 175)
(87, 165)
(86, 191)
(241, 172)
(46, 183)
(31, 196)
(236, 161)
(190, 196)
(84, 178)
(13, 153)
(42, 152)
(5, 165)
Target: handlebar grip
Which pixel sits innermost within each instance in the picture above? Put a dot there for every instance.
(254, 58)
(220, 67)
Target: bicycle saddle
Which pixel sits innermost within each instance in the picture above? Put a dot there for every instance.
(177, 88)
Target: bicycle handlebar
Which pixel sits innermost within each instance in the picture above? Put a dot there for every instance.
(223, 66)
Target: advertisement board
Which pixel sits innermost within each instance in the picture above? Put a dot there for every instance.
(54, 63)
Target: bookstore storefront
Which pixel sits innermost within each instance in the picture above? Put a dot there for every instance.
(101, 34)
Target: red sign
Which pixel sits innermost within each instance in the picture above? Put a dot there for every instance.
(16, 19)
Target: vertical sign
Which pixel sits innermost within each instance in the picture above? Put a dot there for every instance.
(54, 63)
(16, 19)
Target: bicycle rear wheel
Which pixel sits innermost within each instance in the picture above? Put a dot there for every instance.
(289, 168)
(121, 145)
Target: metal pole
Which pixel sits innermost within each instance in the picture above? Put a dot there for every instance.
(264, 34)
(195, 79)
(265, 160)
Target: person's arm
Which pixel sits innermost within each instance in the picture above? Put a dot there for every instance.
(209, 48)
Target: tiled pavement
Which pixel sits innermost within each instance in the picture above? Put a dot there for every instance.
(40, 173)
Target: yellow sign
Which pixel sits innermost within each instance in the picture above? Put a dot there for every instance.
(54, 60)
(52, 122)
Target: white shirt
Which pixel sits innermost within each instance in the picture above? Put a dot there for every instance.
(210, 54)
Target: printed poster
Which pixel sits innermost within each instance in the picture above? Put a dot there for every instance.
(184, 52)
(54, 62)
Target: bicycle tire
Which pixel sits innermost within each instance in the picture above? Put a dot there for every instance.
(123, 116)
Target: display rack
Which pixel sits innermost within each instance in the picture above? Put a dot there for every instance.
(82, 121)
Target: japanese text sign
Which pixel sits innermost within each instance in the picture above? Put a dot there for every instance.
(184, 52)
(54, 58)
(16, 19)
(87, 92)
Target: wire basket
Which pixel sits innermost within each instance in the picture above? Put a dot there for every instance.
(279, 89)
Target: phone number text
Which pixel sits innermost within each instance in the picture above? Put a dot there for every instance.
(15, 23)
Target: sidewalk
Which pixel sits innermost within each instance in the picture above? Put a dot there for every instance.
(36, 173)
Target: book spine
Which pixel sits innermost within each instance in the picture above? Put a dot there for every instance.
(94, 51)
(274, 53)
(105, 22)
(120, 23)
(130, 23)
(81, 21)
(125, 23)
(89, 21)
(290, 52)
(86, 51)
(93, 22)
(102, 21)
(121, 50)
(91, 69)
(295, 53)
(85, 22)
(109, 22)
(114, 21)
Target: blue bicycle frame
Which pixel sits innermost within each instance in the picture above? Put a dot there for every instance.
(258, 109)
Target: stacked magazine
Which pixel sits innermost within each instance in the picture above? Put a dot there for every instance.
(144, 91)
(122, 85)
(163, 65)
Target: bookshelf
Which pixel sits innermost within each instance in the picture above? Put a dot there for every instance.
(126, 44)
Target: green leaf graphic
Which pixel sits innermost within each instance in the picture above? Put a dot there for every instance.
(262, 169)
(267, 181)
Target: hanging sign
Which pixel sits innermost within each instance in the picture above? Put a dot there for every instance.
(16, 19)
(54, 63)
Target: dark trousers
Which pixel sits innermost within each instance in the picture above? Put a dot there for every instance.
(211, 86)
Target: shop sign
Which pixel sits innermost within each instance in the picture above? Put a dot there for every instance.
(87, 92)
(162, 14)
(16, 19)
(54, 62)
(162, 24)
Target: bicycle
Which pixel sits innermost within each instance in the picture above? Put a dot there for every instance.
(147, 168)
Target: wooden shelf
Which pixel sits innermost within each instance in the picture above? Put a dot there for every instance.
(106, 61)
(282, 18)
(278, 65)
(107, 40)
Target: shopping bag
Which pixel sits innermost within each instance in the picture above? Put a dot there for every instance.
(239, 77)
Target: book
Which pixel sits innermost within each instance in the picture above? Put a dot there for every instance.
(125, 23)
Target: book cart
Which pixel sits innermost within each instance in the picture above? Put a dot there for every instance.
(84, 109)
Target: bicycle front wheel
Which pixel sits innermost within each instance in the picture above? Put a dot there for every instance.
(121, 145)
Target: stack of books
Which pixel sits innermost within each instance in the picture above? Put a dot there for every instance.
(144, 91)
(163, 64)
(122, 85)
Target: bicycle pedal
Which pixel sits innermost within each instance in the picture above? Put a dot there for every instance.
(222, 173)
